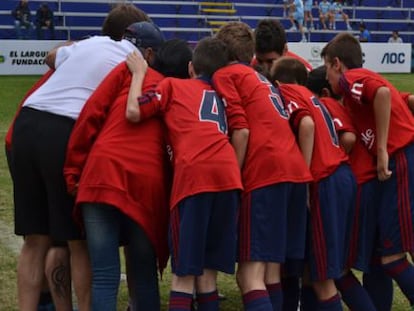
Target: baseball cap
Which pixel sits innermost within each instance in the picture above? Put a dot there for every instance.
(144, 35)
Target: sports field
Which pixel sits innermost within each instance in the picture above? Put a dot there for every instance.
(12, 90)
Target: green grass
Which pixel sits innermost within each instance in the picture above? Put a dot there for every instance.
(12, 90)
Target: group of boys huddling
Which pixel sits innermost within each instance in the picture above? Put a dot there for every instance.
(220, 162)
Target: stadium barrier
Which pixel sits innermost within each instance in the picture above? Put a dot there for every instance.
(26, 57)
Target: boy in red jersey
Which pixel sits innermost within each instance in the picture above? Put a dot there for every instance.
(386, 127)
(274, 173)
(206, 182)
(131, 199)
(333, 190)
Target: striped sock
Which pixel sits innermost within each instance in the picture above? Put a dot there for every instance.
(257, 300)
(403, 273)
(275, 295)
(331, 304)
(180, 301)
(208, 301)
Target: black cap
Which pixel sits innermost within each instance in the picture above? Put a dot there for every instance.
(144, 35)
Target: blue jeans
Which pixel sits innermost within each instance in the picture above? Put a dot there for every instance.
(105, 227)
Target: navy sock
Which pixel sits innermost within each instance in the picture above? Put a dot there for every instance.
(308, 299)
(208, 301)
(290, 290)
(379, 287)
(275, 295)
(180, 301)
(403, 273)
(257, 300)
(353, 294)
(331, 304)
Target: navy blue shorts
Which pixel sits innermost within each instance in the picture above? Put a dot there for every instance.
(272, 224)
(332, 209)
(203, 233)
(396, 205)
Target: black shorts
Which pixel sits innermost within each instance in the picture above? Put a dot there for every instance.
(42, 204)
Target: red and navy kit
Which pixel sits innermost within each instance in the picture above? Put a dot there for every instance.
(327, 153)
(203, 159)
(120, 163)
(359, 87)
(273, 155)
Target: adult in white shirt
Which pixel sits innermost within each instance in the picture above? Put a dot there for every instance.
(43, 208)
(395, 38)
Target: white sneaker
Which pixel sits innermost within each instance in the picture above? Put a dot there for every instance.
(303, 40)
(293, 28)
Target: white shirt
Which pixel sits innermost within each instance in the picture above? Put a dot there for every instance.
(80, 68)
(395, 40)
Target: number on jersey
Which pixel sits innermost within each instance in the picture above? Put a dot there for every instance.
(212, 110)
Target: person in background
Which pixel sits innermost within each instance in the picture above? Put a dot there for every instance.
(336, 11)
(395, 38)
(324, 15)
(296, 16)
(22, 19)
(364, 34)
(308, 14)
(44, 18)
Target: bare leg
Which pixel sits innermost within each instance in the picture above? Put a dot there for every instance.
(30, 271)
(81, 273)
(58, 276)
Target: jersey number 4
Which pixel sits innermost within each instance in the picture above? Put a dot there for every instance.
(212, 110)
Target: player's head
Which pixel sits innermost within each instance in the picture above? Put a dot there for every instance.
(172, 58)
(288, 70)
(119, 18)
(147, 37)
(343, 52)
(318, 83)
(271, 44)
(239, 39)
(210, 54)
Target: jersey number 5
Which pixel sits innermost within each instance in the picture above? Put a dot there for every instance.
(212, 110)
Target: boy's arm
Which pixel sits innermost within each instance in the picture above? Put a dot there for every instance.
(306, 138)
(138, 67)
(239, 140)
(347, 141)
(382, 111)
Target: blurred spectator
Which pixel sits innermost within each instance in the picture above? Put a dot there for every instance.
(324, 14)
(364, 34)
(336, 12)
(395, 38)
(22, 20)
(308, 14)
(44, 19)
(296, 15)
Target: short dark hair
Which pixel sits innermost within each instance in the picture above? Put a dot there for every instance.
(172, 58)
(288, 70)
(120, 17)
(346, 48)
(270, 36)
(210, 54)
(317, 81)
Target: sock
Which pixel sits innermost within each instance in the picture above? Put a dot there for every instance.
(353, 294)
(308, 299)
(403, 273)
(275, 295)
(331, 304)
(208, 301)
(180, 301)
(379, 287)
(257, 300)
(45, 302)
(290, 293)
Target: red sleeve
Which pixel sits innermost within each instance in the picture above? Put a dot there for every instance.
(405, 96)
(339, 115)
(155, 102)
(39, 83)
(226, 87)
(90, 121)
(370, 88)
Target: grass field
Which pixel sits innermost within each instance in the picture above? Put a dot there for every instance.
(12, 90)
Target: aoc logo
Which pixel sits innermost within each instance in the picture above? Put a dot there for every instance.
(2, 59)
(315, 51)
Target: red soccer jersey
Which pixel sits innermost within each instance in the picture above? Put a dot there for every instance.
(204, 160)
(359, 87)
(120, 163)
(339, 115)
(308, 66)
(327, 153)
(273, 155)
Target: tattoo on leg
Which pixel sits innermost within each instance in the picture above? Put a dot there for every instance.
(61, 280)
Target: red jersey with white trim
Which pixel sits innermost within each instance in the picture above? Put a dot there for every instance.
(359, 87)
(252, 102)
(327, 153)
(204, 160)
(121, 163)
(341, 119)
